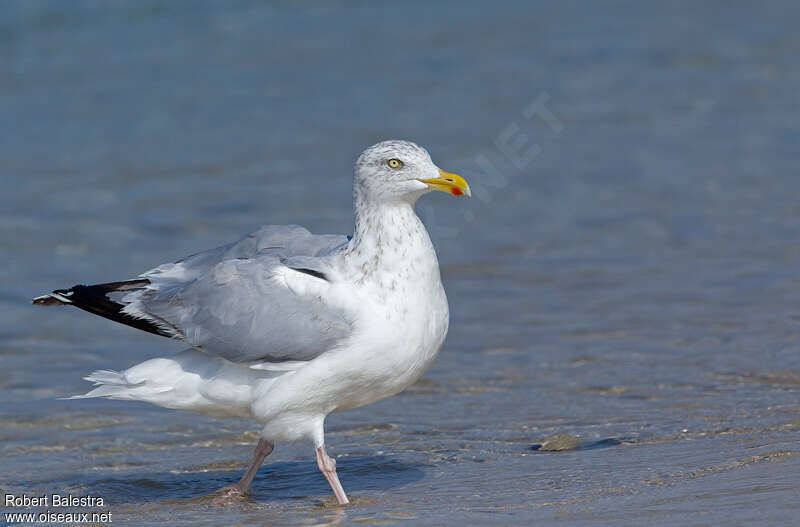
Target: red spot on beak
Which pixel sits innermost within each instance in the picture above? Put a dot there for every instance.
(457, 192)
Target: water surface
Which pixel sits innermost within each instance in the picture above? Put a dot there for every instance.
(626, 275)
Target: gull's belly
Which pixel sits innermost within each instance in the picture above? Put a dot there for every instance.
(393, 346)
(396, 340)
(396, 343)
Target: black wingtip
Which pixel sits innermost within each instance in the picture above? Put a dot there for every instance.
(59, 297)
(94, 299)
(46, 300)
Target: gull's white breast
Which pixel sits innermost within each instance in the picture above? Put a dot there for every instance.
(395, 342)
(400, 319)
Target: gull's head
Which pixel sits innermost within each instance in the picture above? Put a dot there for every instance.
(402, 171)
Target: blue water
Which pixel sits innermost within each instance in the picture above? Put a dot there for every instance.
(626, 273)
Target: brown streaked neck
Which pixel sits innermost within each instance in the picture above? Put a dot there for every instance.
(389, 237)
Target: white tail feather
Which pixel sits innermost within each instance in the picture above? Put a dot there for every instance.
(106, 377)
(190, 380)
(114, 385)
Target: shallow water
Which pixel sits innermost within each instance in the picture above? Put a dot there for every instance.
(629, 280)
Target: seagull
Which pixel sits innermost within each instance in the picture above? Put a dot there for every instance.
(284, 326)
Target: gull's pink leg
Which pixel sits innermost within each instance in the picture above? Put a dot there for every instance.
(328, 467)
(263, 449)
(242, 488)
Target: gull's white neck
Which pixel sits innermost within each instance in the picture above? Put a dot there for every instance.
(390, 241)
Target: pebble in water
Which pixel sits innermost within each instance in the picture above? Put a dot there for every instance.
(559, 443)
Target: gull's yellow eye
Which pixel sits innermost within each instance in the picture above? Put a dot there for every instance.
(395, 163)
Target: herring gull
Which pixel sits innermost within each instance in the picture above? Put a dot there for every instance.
(285, 326)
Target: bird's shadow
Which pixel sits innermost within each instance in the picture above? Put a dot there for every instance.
(288, 480)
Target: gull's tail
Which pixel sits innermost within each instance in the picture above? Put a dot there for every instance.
(190, 380)
(97, 299)
(115, 385)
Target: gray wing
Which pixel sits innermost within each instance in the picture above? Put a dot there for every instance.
(231, 301)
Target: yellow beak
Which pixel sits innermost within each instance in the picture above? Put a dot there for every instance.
(450, 183)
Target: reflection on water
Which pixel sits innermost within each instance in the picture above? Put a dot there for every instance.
(631, 290)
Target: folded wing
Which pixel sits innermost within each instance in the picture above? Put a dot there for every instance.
(233, 301)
